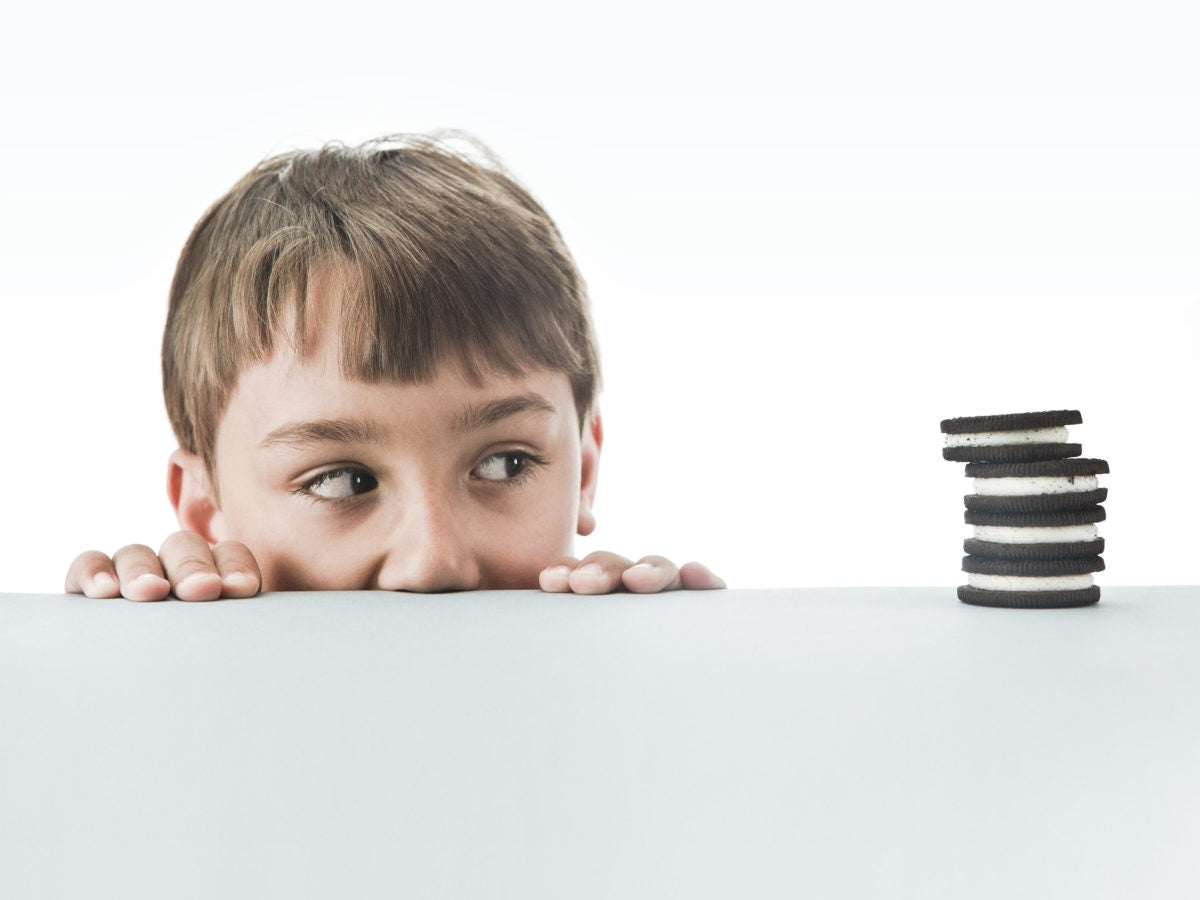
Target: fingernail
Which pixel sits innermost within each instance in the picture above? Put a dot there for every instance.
(199, 586)
(591, 570)
(103, 579)
(146, 586)
(558, 572)
(645, 567)
(205, 578)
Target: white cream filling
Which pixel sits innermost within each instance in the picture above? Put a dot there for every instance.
(1063, 534)
(1029, 583)
(1001, 438)
(1042, 484)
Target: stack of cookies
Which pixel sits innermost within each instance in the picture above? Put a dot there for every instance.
(1035, 508)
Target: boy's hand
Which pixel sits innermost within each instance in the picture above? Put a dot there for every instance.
(185, 566)
(605, 573)
(188, 567)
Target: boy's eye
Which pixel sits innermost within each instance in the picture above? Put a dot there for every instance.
(338, 484)
(504, 466)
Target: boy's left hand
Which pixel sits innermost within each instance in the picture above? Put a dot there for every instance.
(606, 573)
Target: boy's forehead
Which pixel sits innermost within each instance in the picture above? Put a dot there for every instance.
(287, 384)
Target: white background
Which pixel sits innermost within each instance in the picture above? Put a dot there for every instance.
(808, 235)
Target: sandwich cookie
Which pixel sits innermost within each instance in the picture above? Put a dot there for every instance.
(1034, 487)
(1011, 437)
(1058, 534)
(1030, 584)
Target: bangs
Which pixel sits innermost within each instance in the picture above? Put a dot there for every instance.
(394, 324)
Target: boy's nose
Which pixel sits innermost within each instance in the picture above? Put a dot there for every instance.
(429, 552)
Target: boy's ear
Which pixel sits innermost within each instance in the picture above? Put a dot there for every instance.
(190, 491)
(593, 437)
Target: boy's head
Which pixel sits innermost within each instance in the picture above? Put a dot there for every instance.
(441, 258)
(381, 370)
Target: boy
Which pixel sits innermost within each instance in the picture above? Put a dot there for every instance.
(381, 371)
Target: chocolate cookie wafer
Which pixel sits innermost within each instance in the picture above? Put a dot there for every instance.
(1059, 518)
(1091, 546)
(1029, 599)
(1011, 437)
(1042, 569)
(1057, 468)
(1035, 503)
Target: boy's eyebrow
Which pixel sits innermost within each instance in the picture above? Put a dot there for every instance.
(352, 431)
(324, 431)
(493, 411)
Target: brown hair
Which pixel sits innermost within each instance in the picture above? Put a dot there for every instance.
(444, 256)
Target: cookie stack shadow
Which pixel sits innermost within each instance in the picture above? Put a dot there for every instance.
(1034, 510)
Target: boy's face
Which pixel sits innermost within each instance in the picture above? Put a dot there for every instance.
(335, 484)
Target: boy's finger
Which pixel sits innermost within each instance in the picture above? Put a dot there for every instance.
(93, 575)
(140, 573)
(189, 565)
(599, 573)
(555, 578)
(651, 575)
(698, 577)
(240, 576)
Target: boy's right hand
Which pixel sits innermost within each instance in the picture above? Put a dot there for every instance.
(186, 566)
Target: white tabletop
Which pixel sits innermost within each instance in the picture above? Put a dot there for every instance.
(866, 742)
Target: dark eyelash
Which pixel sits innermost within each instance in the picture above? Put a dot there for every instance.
(305, 490)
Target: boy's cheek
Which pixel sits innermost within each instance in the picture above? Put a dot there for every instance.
(314, 571)
(290, 561)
